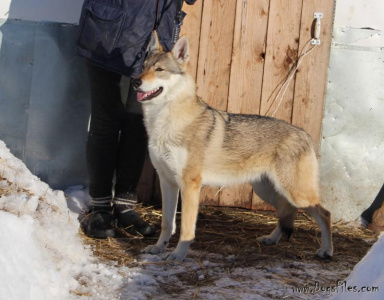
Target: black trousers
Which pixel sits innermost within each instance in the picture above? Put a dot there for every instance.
(117, 139)
(377, 203)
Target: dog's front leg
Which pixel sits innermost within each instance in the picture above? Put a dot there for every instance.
(190, 194)
(169, 194)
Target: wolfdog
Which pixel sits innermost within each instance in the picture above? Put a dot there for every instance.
(192, 144)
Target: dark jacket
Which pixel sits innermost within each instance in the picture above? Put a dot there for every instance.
(114, 34)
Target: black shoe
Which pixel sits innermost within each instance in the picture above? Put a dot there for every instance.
(97, 223)
(129, 221)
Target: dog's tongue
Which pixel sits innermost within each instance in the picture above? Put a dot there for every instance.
(141, 95)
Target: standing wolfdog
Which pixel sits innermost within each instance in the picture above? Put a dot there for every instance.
(191, 145)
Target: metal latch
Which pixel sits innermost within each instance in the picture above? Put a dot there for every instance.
(317, 28)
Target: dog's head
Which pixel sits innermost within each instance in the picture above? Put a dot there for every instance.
(162, 71)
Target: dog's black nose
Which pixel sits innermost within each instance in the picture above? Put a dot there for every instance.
(136, 83)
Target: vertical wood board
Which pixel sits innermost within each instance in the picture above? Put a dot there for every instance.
(281, 53)
(248, 56)
(215, 55)
(191, 28)
(246, 77)
(215, 52)
(312, 74)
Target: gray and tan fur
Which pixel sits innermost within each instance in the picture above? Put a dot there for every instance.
(192, 144)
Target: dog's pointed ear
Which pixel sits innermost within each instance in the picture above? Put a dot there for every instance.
(181, 50)
(154, 43)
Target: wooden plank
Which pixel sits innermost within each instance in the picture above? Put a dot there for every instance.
(311, 76)
(213, 71)
(248, 56)
(215, 53)
(146, 183)
(281, 53)
(209, 196)
(191, 28)
(238, 196)
(246, 77)
(261, 205)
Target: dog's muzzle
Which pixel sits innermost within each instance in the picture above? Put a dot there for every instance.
(136, 83)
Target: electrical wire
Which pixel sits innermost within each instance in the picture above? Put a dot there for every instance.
(289, 77)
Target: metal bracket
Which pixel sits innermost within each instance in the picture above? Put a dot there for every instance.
(315, 42)
(316, 33)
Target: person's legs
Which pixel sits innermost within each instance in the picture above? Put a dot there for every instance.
(116, 145)
(131, 155)
(107, 113)
(367, 215)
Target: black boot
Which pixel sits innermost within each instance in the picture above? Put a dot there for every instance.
(127, 219)
(97, 222)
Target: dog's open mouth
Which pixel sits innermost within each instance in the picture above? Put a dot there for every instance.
(144, 96)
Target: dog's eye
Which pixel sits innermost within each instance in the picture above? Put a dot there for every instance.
(159, 70)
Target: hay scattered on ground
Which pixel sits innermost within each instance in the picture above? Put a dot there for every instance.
(234, 232)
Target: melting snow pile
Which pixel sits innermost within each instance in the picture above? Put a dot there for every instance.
(367, 278)
(41, 254)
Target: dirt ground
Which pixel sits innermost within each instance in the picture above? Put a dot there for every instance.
(224, 233)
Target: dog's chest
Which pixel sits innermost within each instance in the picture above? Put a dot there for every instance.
(166, 147)
(166, 153)
(168, 158)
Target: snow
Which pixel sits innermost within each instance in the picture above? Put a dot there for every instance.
(367, 274)
(41, 252)
(43, 257)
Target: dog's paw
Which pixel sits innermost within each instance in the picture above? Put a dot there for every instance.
(153, 249)
(325, 253)
(177, 256)
(267, 240)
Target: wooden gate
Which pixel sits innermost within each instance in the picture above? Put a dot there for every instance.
(241, 53)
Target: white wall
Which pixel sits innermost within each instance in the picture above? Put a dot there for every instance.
(62, 11)
(352, 151)
(360, 13)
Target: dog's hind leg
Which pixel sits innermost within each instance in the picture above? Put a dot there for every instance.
(285, 211)
(190, 194)
(310, 202)
(305, 194)
(287, 214)
(169, 194)
(323, 218)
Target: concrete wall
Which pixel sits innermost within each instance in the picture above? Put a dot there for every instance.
(352, 150)
(61, 11)
(44, 97)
